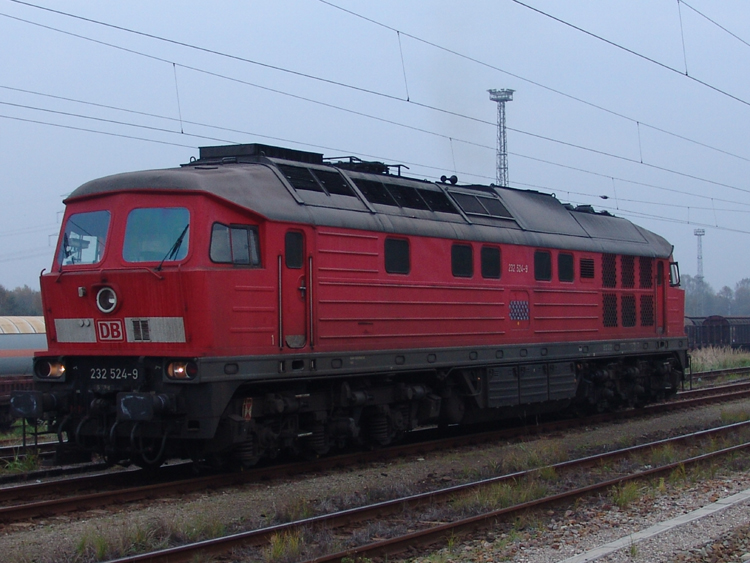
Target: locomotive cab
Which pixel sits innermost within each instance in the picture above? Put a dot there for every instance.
(130, 318)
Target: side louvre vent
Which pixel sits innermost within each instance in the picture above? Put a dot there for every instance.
(587, 268)
(141, 330)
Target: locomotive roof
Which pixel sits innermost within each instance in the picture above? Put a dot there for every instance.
(300, 187)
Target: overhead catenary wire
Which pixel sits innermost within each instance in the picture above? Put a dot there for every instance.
(634, 53)
(522, 132)
(682, 36)
(694, 177)
(163, 130)
(342, 84)
(533, 82)
(717, 24)
(392, 122)
(243, 132)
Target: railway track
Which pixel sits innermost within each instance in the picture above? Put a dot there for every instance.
(349, 521)
(178, 479)
(717, 373)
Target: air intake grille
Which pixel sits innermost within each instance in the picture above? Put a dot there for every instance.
(628, 310)
(647, 310)
(141, 332)
(647, 273)
(587, 268)
(610, 310)
(609, 270)
(628, 271)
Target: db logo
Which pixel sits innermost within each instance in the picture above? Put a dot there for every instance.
(109, 330)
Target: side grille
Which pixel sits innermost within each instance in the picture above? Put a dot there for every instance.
(141, 331)
(610, 309)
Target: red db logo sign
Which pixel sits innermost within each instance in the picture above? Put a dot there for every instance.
(109, 330)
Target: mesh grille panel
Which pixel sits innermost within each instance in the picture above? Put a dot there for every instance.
(628, 271)
(609, 270)
(628, 310)
(647, 273)
(610, 310)
(647, 310)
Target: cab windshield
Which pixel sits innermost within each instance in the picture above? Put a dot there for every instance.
(157, 234)
(84, 238)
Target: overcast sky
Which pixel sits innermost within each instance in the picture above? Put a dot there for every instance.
(653, 113)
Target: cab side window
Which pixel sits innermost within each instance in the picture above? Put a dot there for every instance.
(235, 244)
(397, 260)
(294, 250)
(491, 262)
(542, 265)
(462, 260)
(565, 271)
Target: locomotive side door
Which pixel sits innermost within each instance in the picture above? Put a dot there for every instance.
(294, 291)
(661, 298)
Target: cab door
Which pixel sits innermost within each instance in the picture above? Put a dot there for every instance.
(661, 298)
(294, 291)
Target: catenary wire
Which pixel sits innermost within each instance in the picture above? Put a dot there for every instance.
(737, 37)
(549, 139)
(162, 130)
(38, 122)
(255, 62)
(337, 107)
(365, 90)
(391, 122)
(635, 53)
(533, 82)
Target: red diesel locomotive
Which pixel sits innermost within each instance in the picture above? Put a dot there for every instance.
(261, 299)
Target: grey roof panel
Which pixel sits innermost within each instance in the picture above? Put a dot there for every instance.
(609, 227)
(540, 213)
(538, 220)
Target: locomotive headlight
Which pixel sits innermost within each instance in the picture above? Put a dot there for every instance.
(106, 300)
(182, 370)
(49, 370)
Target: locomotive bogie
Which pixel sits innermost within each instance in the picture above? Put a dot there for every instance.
(247, 305)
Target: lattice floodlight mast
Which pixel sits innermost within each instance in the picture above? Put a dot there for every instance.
(699, 233)
(501, 96)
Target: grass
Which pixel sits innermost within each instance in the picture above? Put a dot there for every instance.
(664, 455)
(98, 544)
(500, 496)
(21, 464)
(297, 509)
(284, 547)
(733, 415)
(530, 456)
(626, 493)
(15, 432)
(711, 358)
(633, 551)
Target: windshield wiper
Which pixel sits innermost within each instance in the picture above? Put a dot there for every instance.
(175, 248)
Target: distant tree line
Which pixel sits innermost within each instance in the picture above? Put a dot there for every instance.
(702, 301)
(20, 302)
